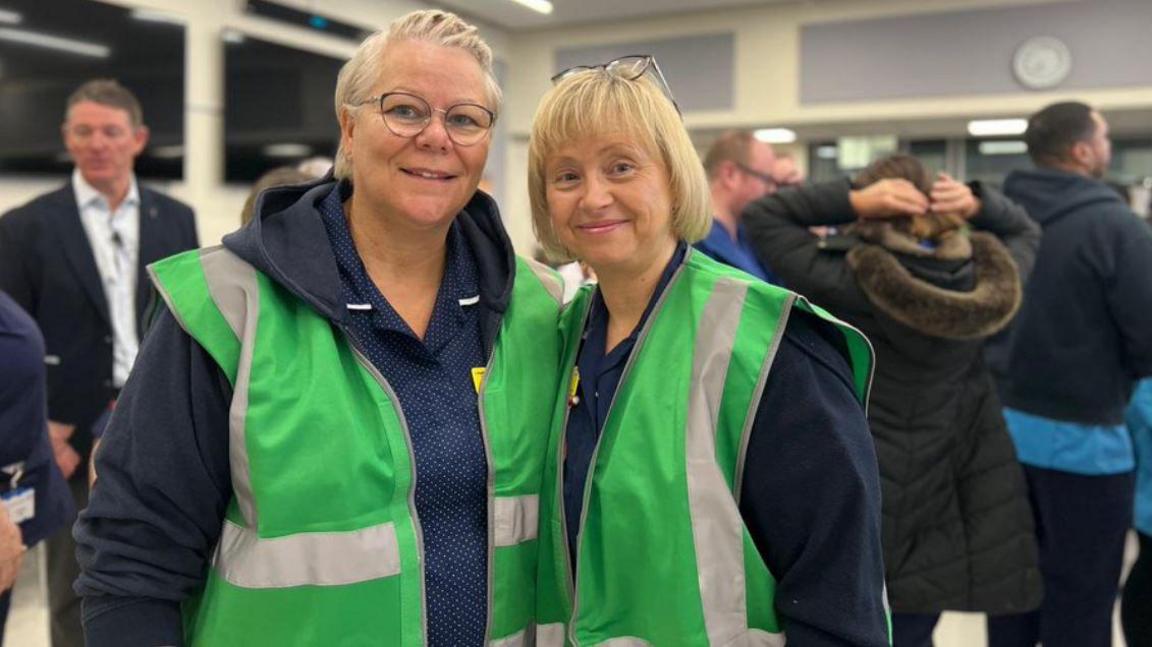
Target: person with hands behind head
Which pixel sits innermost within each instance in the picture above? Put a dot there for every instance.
(957, 530)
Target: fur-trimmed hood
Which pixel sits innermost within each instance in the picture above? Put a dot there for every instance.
(935, 311)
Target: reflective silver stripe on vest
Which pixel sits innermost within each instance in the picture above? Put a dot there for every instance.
(759, 638)
(519, 639)
(551, 635)
(522, 638)
(232, 284)
(757, 393)
(515, 519)
(306, 559)
(716, 524)
(551, 280)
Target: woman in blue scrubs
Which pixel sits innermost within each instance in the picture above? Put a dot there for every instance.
(35, 495)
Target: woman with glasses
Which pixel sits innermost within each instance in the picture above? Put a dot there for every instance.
(710, 478)
(334, 433)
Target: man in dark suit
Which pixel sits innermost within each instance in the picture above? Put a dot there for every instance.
(74, 258)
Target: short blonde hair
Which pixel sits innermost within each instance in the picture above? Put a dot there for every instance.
(596, 103)
(361, 72)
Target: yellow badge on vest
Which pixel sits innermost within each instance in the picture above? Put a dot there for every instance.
(574, 388)
(478, 377)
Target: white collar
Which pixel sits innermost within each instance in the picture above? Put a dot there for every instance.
(86, 193)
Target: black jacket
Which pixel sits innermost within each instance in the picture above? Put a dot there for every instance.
(1084, 334)
(957, 530)
(47, 266)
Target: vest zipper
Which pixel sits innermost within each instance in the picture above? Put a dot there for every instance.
(596, 450)
(367, 364)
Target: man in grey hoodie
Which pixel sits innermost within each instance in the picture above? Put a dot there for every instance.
(1082, 338)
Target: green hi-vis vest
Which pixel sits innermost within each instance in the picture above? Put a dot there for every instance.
(664, 558)
(321, 544)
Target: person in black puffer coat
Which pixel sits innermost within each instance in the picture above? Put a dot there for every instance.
(957, 528)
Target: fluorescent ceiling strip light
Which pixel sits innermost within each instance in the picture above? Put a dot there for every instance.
(539, 6)
(59, 43)
(10, 17)
(287, 149)
(150, 15)
(775, 135)
(1011, 147)
(997, 127)
(827, 152)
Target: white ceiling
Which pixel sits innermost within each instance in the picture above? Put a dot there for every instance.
(513, 16)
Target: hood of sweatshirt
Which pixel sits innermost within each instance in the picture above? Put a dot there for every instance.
(1050, 195)
(287, 241)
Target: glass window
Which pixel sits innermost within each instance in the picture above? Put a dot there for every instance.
(823, 165)
(933, 153)
(832, 160)
(991, 160)
(1131, 160)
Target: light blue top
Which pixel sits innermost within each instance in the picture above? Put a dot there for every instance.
(1140, 424)
(737, 253)
(1092, 450)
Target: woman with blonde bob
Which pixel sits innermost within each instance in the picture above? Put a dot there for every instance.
(336, 428)
(710, 480)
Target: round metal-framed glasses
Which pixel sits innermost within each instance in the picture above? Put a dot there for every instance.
(407, 115)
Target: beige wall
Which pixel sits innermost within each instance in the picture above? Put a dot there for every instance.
(767, 64)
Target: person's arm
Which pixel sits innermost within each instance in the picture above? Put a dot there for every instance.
(1010, 223)
(155, 513)
(1128, 290)
(778, 227)
(810, 495)
(12, 550)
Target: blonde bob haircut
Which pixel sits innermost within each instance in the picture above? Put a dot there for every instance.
(594, 104)
(362, 71)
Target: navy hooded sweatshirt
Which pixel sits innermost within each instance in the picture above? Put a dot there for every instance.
(1084, 332)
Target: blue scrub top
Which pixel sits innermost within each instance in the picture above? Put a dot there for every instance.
(737, 253)
(24, 424)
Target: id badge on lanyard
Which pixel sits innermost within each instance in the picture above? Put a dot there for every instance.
(20, 501)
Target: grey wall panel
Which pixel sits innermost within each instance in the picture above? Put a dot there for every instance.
(699, 69)
(970, 52)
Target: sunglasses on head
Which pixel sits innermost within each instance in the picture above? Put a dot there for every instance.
(628, 68)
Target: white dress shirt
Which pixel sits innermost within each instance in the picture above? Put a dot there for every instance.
(114, 238)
